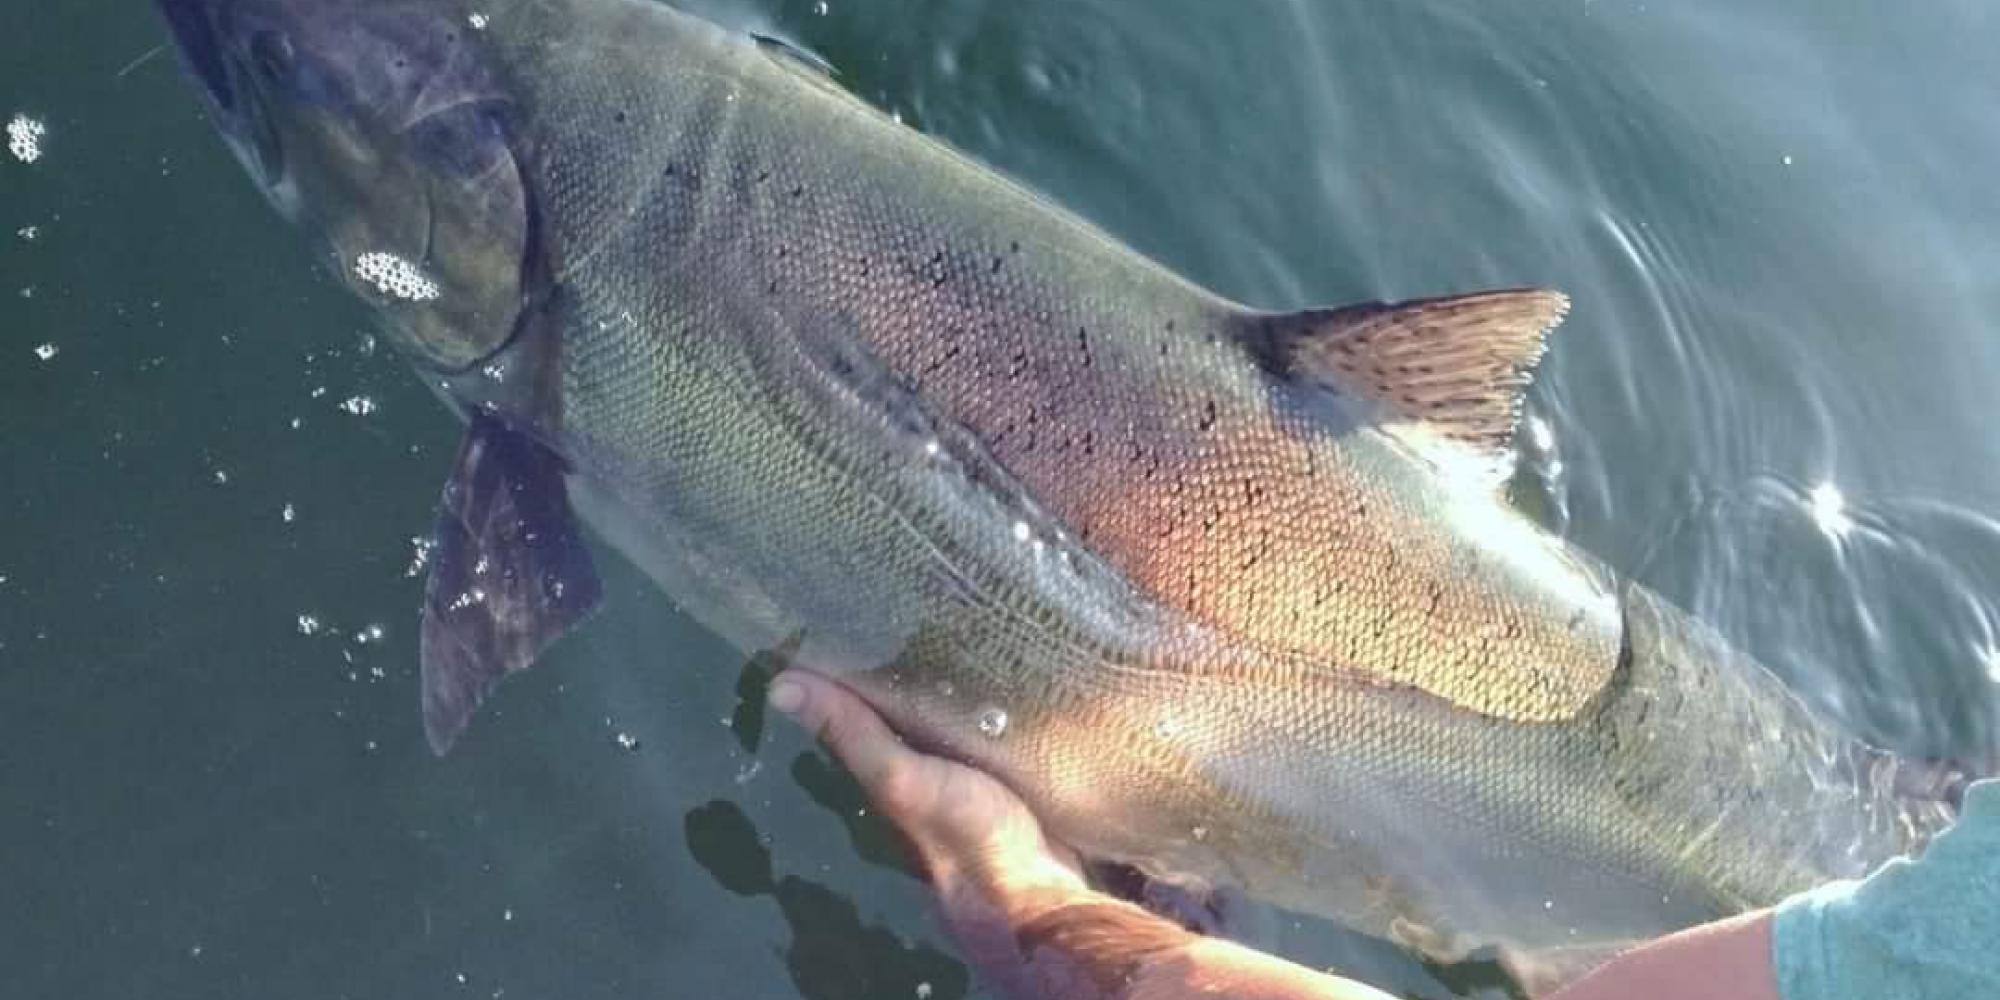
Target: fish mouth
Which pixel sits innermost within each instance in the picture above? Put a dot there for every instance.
(233, 97)
(195, 35)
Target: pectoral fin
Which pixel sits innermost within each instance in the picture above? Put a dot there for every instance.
(1455, 365)
(509, 575)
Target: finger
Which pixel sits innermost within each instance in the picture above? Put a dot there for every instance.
(848, 727)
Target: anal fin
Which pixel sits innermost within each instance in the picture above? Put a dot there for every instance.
(510, 573)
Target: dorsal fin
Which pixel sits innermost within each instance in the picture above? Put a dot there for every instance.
(1457, 365)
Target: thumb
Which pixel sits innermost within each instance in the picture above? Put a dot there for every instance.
(849, 728)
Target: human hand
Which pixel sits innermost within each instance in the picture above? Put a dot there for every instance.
(976, 840)
(1017, 902)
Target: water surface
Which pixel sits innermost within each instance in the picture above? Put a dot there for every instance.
(1772, 403)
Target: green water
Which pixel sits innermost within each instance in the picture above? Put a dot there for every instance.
(1779, 220)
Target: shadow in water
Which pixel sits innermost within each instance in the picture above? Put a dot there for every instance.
(833, 954)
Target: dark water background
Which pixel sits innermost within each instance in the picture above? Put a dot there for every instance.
(1780, 221)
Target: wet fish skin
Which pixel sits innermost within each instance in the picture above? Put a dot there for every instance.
(1213, 604)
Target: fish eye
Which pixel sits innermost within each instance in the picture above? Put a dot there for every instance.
(271, 53)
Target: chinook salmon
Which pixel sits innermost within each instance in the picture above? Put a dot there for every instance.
(1225, 594)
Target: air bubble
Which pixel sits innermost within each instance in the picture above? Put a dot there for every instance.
(46, 352)
(24, 137)
(993, 722)
(308, 625)
(420, 554)
(395, 277)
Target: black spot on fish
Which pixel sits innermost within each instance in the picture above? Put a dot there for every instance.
(1208, 415)
(799, 191)
(619, 117)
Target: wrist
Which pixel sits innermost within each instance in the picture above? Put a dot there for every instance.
(1011, 885)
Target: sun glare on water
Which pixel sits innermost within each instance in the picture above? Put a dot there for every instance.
(1829, 510)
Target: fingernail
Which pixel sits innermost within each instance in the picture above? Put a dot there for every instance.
(787, 696)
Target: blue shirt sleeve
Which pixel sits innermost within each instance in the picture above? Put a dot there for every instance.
(1928, 928)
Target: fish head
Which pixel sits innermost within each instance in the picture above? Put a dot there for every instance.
(383, 127)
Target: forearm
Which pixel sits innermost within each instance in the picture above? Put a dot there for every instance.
(1068, 941)
(1726, 960)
